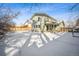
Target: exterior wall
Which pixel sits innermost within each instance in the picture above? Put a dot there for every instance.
(36, 23)
(40, 22)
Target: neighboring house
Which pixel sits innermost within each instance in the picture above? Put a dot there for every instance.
(20, 28)
(43, 22)
(60, 27)
(25, 27)
(77, 25)
(72, 26)
(77, 22)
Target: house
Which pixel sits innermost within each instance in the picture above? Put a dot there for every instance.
(20, 28)
(60, 27)
(77, 25)
(77, 22)
(43, 22)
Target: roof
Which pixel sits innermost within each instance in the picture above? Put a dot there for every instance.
(42, 14)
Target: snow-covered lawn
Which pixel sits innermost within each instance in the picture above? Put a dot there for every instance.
(16, 40)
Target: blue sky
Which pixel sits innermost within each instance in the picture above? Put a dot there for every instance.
(59, 11)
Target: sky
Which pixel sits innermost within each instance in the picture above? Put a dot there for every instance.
(59, 11)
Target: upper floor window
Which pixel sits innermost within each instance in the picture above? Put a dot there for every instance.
(39, 18)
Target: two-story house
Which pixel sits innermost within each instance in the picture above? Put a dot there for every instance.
(43, 22)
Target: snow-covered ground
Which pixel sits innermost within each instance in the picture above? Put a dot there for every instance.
(16, 41)
(53, 36)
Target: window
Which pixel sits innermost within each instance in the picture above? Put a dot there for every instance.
(39, 18)
(52, 26)
(34, 26)
(33, 20)
(38, 26)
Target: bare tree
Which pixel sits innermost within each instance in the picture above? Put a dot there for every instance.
(6, 16)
